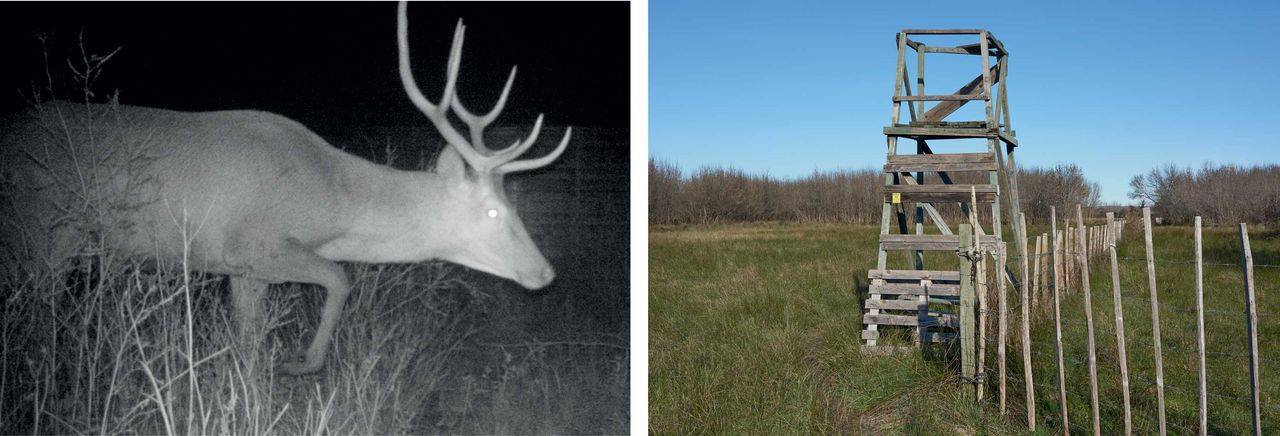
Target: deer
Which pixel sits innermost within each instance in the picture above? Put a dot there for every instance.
(261, 199)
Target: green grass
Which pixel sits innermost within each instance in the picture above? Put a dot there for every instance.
(754, 330)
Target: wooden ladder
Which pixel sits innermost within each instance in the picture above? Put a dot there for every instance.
(927, 301)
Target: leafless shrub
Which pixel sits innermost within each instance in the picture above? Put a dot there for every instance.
(1221, 194)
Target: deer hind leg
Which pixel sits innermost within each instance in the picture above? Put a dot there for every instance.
(293, 262)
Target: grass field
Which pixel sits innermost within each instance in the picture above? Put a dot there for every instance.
(753, 329)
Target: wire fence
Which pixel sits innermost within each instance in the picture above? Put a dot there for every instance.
(1120, 332)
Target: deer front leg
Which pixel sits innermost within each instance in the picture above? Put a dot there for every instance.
(293, 262)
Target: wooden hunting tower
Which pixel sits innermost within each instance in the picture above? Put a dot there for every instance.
(932, 302)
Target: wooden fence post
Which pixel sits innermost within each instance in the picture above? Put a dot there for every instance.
(1251, 320)
(1204, 400)
(1088, 326)
(1057, 321)
(1002, 325)
(1036, 284)
(968, 365)
(1028, 379)
(1155, 315)
(1118, 302)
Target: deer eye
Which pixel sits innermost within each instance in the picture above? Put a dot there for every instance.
(492, 213)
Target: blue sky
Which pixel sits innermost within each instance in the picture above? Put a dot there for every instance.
(786, 88)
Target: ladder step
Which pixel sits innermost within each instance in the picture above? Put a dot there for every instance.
(933, 336)
(933, 242)
(940, 162)
(896, 304)
(914, 274)
(942, 320)
(940, 193)
(936, 289)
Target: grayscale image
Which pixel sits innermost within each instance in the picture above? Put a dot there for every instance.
(291, 218)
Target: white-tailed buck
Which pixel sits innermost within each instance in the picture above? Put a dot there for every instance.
(265, 200)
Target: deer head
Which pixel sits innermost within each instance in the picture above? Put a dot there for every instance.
(488, 234)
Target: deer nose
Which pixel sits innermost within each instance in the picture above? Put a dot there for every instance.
(540, 278)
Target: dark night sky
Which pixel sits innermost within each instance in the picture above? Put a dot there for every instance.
(333, 65)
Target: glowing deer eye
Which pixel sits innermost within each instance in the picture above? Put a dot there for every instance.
(493, 213)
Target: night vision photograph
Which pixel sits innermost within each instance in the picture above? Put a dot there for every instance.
(306, 218)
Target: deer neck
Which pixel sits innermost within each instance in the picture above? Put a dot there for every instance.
(395, 217)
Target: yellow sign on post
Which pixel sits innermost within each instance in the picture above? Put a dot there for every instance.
(897, 197)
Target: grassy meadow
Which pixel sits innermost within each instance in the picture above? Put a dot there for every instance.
(754, 329)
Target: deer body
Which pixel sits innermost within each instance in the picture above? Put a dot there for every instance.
(261, 198)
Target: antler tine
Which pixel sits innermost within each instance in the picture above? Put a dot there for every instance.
(477, 124)
(437, 114)
(530, 164)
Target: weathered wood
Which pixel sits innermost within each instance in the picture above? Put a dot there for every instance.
(980, 276)
(911, 320)
(1118, 304)
(1002, 326)
(929, 132)
(1203, 397)
(1028, 379)
(931, 242)
(940, 158)
(963, 95)
(910, 274)
(969, 49)
(1037, 285)
(935, 289)
(939, 193)
(943, 31)
(1251, 322)
(968, 364)
(1088, 326)
(930, 337)
(1057, 319)
(896, 304)
(1154, 296)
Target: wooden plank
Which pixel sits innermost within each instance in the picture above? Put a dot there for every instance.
(1251, 323)
(940, 132)
(941, 158)
(1088, 326)
(931, 336)
(911, 320)
(1203, 397)
(940, 193)
(944, 97)
(896, 304)
(974, 87)
(908, 274)
(932, 242)
(968, 49)
(1158, 352)
(936, 289)
(942, 31)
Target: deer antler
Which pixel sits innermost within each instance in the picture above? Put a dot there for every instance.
(480, 157)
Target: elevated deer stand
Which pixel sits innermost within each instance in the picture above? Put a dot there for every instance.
(936, 305)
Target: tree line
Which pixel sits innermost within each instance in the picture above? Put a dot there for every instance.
(725, 194)
(1220, 194)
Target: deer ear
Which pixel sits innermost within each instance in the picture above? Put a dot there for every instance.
(450, 165)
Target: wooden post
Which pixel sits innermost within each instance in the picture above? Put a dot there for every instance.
(980, 279)
(1028, 379)
(1088, 326)
(1002, 326)
(1155, 316)
(1117, 301)
(1251, 320)
(968, 366)
(1204, 400)
(1057, 321)
(1035, 274)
